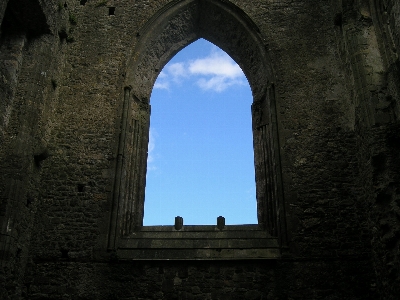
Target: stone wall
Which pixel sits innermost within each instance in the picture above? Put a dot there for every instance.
(30, 58)
(393, 11)
(3, 6)
(199, 280)
(378, 155)
(335, 74)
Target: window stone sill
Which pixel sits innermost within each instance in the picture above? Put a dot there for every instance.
(198, 242)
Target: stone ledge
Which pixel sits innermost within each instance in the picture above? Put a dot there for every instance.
(197, 254)
(202, 228)
(198, 243)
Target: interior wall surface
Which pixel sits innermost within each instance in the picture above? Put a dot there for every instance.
(336, 93)
(3, 6)
(30, 56)
(377, 142)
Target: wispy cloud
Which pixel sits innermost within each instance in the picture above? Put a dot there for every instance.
(150, 153)
(218, 63)
(215, 72)
(161, 85)
(218, 83)
(162, 81)
(177, 71)
(218, 72)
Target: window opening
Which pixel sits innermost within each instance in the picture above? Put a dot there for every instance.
(158, 40)
(201, 161)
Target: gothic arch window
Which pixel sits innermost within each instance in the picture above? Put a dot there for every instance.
(200, 157)
(177, 25)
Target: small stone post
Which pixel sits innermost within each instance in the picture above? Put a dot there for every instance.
(178, 223)
(220, 222)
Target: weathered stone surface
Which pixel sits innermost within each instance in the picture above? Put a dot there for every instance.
(326, 88)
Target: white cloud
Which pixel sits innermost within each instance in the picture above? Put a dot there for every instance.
(162, 75)
(150, 153)
(162, 85)
(177, 70)
(215, 72)
(162, 81)
(218, 83)
(218, 72)
(216, 64)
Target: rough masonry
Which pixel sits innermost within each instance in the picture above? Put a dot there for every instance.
(75, 84)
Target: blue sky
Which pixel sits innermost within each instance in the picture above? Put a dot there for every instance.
(200, 162)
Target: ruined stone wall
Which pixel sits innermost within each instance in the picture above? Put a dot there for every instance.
(23, 140)
(377, 135)
(199, 280)
(382, 153)
(30, 60)
(393, 11)
(324, 219)
(338, 143)
(3, 6)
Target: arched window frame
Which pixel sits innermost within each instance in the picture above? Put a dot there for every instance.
(167, 32)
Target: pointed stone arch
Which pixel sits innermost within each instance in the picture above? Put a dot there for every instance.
(171, 29)
(183, 22)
